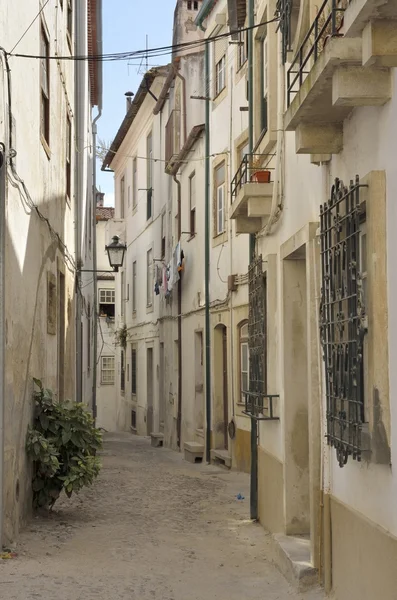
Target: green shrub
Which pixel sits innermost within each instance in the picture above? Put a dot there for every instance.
(62, 443)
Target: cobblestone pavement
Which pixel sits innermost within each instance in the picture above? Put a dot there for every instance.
(152, 527)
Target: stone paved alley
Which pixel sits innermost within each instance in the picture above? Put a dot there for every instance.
(152, 527)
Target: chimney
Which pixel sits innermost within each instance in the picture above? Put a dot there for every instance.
(99, 199)
(128, 96)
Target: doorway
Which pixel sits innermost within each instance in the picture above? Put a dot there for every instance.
(161, 389)
(149, 390)
(199, 382)
(296, 463)
(221, 401)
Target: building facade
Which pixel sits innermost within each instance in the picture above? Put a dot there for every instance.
(45, 219)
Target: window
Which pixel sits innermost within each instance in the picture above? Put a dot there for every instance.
(68, 156)
(220, 199)
(106, 301)
(134, 183)
(149, 277)
(133, 371)
(122, 197)
(107, 370)
(343, 322)
(129, 196)
(192, 203)
(264, 84)
(242, 48)
(163, 235)
(122, 371)
(195, 4)
(220, 72)
(134, 286)
(70, 21)
(45, 86)
(149, 176)
(244, 361)
(122, 293)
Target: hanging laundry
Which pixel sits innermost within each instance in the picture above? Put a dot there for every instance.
(164, 279)
(175, 271)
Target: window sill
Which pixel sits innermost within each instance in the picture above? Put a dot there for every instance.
(68, 202)
(149, 308)
(220, 96)
(107, 383)
(134, 210)
(241, 72)
(220, 238)
(45, 145)
(69, 40)
(191, 237)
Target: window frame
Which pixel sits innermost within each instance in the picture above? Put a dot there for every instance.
(122, 197)
(220, 185)
(220, 75)
(122, 371)
(243, 343)
(108, 370)
(122, 293)
(192, 204)
(149, 176)
(68, 167)
(264, 85)
(134, 373)
(242, 49)
(134, 183)
(134, 277)
(45, 100)
(106, 290)
(163, 236)
(69, 23)
(149, 278)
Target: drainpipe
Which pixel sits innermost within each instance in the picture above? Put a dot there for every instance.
(94, 255)
(3, 170)
(179, 418)
(251, 101)
(203, 13)
(94, 266)
(207, 260)
(79, 138)
(254, 423)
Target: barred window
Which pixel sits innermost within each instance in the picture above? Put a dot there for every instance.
(343, 316)
(107, 370)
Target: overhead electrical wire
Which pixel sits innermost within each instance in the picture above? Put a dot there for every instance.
(147, 52)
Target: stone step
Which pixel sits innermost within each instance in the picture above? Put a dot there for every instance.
(292, 556)
(194, 452)
(221, 457)
(157, 440)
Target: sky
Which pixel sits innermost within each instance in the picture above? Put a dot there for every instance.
(125, 26)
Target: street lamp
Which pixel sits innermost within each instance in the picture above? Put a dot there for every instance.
(116, 251)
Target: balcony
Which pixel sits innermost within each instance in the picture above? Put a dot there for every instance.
(333, 73)
(251, 193)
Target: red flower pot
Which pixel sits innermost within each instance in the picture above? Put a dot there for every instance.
(261, 177)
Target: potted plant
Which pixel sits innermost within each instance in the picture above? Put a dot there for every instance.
(259, 174)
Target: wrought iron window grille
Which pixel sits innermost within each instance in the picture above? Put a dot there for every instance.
(343, 322)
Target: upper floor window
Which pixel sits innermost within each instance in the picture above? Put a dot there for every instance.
(220, 199)
(134, 183)
(122, 197)
(45, 86)
(68, 157)
(70, 21)
(242, 48)
(134, 270)
(244, 361)
(192, 203)
(220, 75)
(264, 84)
(106, 301)
(149, 277)
(149, 176)
(107, 370)
(192, 4)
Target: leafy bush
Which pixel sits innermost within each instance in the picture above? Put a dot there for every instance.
(62, 444)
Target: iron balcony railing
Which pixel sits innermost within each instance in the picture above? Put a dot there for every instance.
(327, 24)
(260, 406)
(249, 171)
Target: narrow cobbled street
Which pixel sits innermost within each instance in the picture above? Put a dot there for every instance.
(152, 527)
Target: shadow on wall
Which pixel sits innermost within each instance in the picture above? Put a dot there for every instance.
(32, 334)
